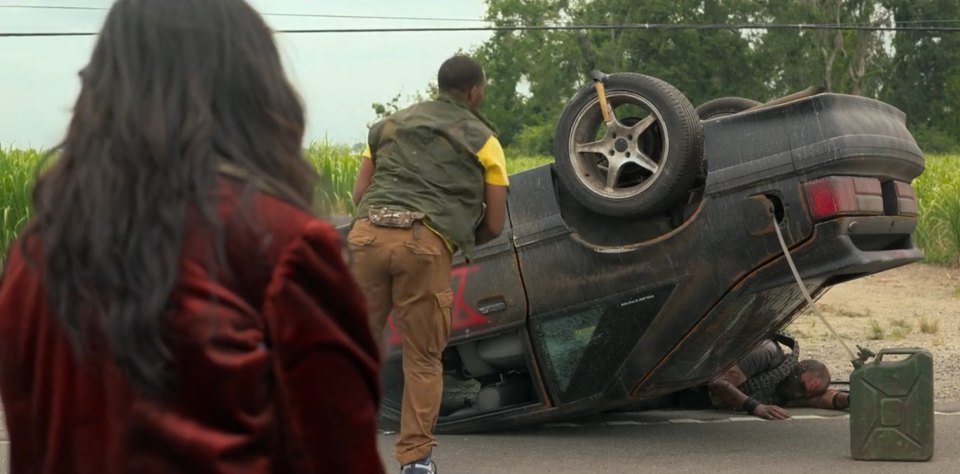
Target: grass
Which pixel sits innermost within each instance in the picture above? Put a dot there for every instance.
(875, 331)
(901, 328)
(522, 163)
(853, 314)
(337, 165)
(901, 323)
(929, 325)
(17, 172)
(938, 195)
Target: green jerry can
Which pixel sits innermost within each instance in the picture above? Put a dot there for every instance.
(891, 407)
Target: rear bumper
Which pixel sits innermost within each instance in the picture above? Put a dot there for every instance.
(846, 248)
(768, 299)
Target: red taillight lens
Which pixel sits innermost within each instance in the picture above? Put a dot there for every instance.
(906, 200)
(844, 195)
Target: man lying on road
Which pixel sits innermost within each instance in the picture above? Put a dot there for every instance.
(766, 381)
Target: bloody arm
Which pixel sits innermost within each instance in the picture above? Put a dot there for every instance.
(830, 400)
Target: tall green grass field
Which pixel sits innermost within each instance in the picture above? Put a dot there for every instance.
(17, 171)
(938, 193)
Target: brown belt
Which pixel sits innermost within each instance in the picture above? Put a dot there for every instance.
(383, 217)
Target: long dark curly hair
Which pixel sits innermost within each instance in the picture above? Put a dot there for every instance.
(174, 89)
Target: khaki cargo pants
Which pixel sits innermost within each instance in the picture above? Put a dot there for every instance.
(408, 271)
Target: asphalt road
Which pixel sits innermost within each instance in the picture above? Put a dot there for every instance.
(673, 442)
(680, 442)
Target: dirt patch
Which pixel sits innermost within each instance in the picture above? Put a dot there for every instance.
(913, 306)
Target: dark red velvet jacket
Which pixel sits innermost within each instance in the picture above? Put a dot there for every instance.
(276, 369)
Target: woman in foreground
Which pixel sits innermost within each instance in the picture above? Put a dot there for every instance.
(173, 306)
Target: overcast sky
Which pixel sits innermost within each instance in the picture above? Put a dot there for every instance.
(338, 75)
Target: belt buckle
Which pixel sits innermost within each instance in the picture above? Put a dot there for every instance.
(383, 217)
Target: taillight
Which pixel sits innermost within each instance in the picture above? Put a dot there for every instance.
(899, 199)
(844, 195)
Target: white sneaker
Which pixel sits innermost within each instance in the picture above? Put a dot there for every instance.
(422, 466)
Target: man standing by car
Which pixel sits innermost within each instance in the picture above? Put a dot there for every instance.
(432, 180)
(766, 380)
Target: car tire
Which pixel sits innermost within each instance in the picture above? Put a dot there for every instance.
(643, 162)
(724, 106)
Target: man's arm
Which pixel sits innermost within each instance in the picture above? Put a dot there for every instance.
(494, 191)
(495, 198)
(364, 175)
(724, 387)
(830, 400)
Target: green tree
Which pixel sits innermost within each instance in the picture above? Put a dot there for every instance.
(846, 61)
(924, 77)
(532, 73)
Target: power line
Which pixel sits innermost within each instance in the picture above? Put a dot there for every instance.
(44, 34)
(53, 7)
(632, 26)
(293, 15)
(370, 17)
(406, 18)
(927, 21)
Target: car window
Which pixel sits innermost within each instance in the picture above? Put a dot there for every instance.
(585, 347)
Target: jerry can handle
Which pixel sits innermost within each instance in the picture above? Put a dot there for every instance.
(895, 352)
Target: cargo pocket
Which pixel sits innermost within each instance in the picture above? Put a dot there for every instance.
(360, 238)
(444, 318)
(359, 246)
(417, 248)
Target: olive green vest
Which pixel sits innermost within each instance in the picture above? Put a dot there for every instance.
(426, 160)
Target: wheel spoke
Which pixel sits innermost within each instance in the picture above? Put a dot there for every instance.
(613, 174)
(642, 126)
(601, 147)
(644, 162)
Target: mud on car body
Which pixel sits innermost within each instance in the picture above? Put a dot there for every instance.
(645, 259)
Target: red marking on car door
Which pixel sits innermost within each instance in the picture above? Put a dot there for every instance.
(463, 315)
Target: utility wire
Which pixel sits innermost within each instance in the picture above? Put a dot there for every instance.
(632, 26)
(372, 17)
(53, 7)
(406, 18)
(927, 21)
(293, 15)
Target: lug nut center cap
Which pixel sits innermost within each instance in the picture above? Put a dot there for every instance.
(620, 145)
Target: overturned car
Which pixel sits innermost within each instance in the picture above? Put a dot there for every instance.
(646, 258)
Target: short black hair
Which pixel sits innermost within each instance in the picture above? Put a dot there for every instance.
(818, 370)
(459, 73)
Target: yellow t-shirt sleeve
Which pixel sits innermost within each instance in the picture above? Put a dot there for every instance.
(494, 163)
(366, 152)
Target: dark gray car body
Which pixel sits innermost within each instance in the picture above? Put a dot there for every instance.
(570, 313)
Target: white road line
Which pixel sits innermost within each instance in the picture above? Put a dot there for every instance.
(623, 423)
(816, 417)
(693, 421)
(681, 421)
(745, 418)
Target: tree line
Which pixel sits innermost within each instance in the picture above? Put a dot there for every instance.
(532, 73)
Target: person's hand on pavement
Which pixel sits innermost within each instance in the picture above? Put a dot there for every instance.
(771, 412)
